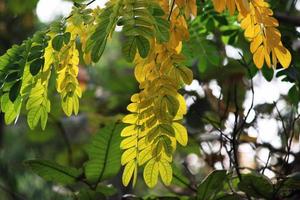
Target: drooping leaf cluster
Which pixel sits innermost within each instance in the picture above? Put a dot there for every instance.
(260, 29)
(155, 123)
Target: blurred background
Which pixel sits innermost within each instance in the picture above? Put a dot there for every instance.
(221, 84)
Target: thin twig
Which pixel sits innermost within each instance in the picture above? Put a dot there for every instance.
(172, 7)
(235, 135)
(64, 135)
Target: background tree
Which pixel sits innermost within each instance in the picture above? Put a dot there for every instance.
(80, 157)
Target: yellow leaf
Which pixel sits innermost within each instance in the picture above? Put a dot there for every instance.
(165, 171)
(231, 6)
(129, 131)
(130, 119)
(219, 5)
(133, 107)
(283, 55)
(128, 155)
(243, 6)
(258, 57)
(151, 173)
(129, 142)
(130, 172)
(182, 107)
(180, 133)
(256, 42)
(144, 155)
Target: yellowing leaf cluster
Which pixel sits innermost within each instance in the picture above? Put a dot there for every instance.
(67, 82)
(241, 5)
(260, 29)
(155, 127)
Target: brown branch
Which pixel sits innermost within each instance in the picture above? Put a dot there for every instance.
(294, 20)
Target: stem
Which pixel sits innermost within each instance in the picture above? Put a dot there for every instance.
(172, 7)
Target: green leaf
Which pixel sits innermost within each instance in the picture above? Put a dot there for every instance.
(36, 66)
(5, 59)
(98, 50)
(35, 115)
(162, 29)
(58, 42)
(86, 194)
(294, 95)
(204, 50)
(267, 73)
(52, 171)
(228, 197)
(11, 109)
(15, 91)
(143, 46)
(157, 10)
(35, 55)
(211, 185)
(12, 76)
(106, 190)
(104, 154)
(256, 185)
(293, 180)
(179, 178)
(106, 25)
(172, 104)
(67, 37)
(210, 25)
(129, 48)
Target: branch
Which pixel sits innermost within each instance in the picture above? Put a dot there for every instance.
(294, 20)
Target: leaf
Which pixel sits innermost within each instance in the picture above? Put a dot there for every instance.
(106, 25)
(228, 197)
(107, 190)
(211, 185)
(129, 48)
(104, 154)
(13, 76)
(171, 103)
(294, 95)
(129, 154)
(129, 171)
(292, 181)
(15, 91)
(204, 50)
(267, 73)
(52, 171)
(151, 173)
(35, 115)
(36, 66)
(162, 29)
(11, 109)
(67, 37)
(283, 55)
(98, 50)
(180, 133)
(58, 42)
(165, 171)
(256, 185)
(185, 74)
(143, 46)
(179, 178)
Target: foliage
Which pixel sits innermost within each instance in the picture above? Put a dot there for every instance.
(171, 44)
(103, 163)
